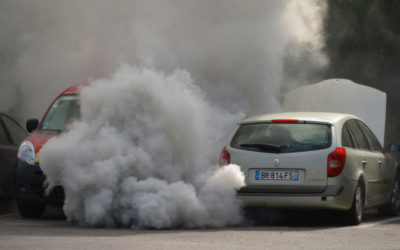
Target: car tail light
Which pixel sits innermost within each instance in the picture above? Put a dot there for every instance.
(285, 121)
(224, 157)
(336, 161)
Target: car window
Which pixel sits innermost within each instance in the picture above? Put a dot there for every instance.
(371, 138)
(3, 136)
(282, 137)
(347, 140)
(63, 111)
(358, 135)
(17, 133)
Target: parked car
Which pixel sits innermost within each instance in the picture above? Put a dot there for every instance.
(11, 135)
(30, 191)
(315, 161)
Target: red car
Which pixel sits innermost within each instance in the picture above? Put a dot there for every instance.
(30, 191)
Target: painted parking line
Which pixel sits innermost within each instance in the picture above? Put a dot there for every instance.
(368, 225)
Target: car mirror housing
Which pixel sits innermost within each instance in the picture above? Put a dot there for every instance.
(32, 124)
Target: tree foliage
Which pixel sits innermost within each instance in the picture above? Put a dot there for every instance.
(363, 38)
(362, 42)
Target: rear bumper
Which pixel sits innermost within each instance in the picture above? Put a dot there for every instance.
(291, 191)
(326, 197)
(30, 185)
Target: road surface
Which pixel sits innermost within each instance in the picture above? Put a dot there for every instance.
(308, 231)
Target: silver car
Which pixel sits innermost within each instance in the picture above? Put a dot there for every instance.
(313, 160)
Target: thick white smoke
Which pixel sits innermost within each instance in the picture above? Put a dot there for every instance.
(143, 154)
(233, 49)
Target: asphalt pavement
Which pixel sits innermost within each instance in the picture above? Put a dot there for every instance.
(276, 230)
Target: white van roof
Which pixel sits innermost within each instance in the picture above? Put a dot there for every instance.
(341, 96)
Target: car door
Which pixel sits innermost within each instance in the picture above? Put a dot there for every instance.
(368, 160)
(7, 160)
(11, 135)
(385, 177)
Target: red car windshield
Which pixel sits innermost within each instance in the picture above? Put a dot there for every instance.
(63, 111)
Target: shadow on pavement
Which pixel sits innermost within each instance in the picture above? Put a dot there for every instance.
(8, 206)
(298, 218)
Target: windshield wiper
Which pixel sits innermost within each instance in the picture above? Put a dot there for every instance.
(266, 147)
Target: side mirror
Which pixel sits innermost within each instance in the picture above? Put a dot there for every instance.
(32, 124)
(393, 147)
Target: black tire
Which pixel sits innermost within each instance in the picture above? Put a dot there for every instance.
(353, 216)
(392, 208)
(31, 209)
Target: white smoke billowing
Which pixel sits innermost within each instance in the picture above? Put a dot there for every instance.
(233, 49)
(144, 151)
(143, 154)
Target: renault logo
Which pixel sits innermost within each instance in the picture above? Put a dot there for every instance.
(276, 162)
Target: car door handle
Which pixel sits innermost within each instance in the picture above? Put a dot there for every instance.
(364, 163)
(380, 162)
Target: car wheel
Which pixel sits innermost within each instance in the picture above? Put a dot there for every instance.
(392, 208)
(31, 209)
(354, 214)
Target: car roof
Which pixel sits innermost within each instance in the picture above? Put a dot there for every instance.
(321, 117)
(73, 89)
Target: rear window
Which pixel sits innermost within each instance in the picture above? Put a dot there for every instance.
(282, 138)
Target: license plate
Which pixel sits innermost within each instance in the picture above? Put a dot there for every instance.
(277, 175)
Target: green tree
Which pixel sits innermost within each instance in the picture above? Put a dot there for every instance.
(362, 42)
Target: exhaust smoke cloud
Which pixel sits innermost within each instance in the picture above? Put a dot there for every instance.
(233, 50)
(142, 155)
(145, 149)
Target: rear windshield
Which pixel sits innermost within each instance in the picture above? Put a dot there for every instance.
(282, 137)
(63, 111)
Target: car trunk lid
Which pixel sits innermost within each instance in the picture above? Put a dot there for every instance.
(296, 169)
(283, 153)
